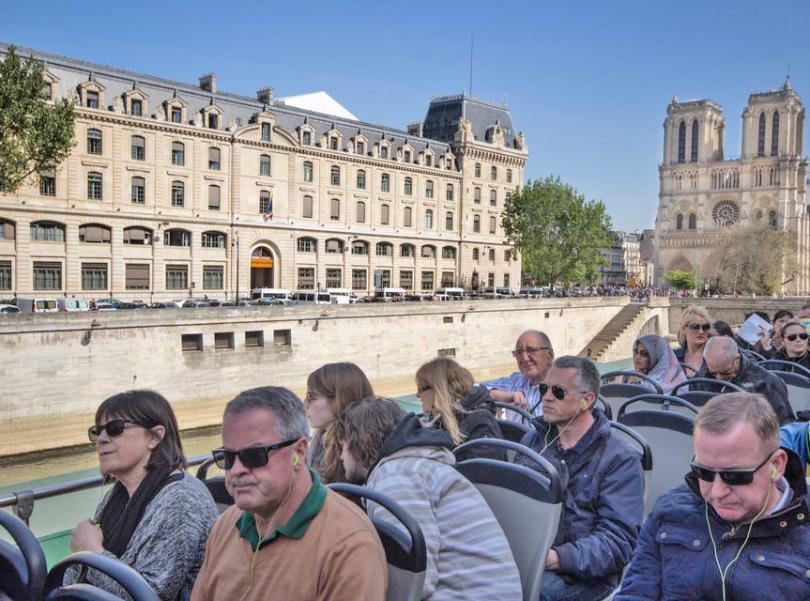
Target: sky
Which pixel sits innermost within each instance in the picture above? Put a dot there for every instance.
(587, 82)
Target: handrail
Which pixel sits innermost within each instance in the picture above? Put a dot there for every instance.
(22, 501)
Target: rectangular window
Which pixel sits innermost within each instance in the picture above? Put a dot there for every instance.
(476, 223)
(47, 276)
(213, 198)
(138, 148)
(191, 342)
(306, 278)
(176, 277)
(493, 198)
(91, 99)
(213, 121)
(359, 279)
(254, 339)
(382, 278)
(223, 340)
(178, 154)
(385, 214)
(448, 278)
(213, 278)
(449, 191)
(136, 108)
(282, 337)
(177, 115)
(138, 190)
(178, 194)
(265, 132)
(446, 352)
(307, 208)
(429, 190)
(307, 138)
(94, 276)
(427, 280)
(334, 277)
(137, 276)
(447, 319)
(213, 159)
(94, 186)
(5, 275)
(406, 279)
(334, 209)
(307, 171)
(47, 184)
(361, 148)
(384, 152)
(333, 143)
(492, 226)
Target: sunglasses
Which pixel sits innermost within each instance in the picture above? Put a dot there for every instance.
(114, 427)
(529, 350)
(793, 337)
(700, 326)
(558, 391)
(250, 457)
(730, 477)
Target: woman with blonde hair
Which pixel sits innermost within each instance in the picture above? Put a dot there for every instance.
(451, 401)
(693, 332)
(330, 389)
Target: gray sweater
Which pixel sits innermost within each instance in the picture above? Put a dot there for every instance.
(168, 545)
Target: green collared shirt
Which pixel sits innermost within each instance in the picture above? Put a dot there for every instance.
(295, 527)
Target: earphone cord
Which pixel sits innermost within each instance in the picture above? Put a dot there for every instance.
(724, 573)
(548, 442)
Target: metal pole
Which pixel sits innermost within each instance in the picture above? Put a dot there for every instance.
(237, 269)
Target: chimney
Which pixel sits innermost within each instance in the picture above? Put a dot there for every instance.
(265, 95)
(208, 82)
(415, 128)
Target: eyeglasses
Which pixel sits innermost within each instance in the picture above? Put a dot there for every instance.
(728, 372)
(730, 477)
(558, 391)
(641, 353)
(700, 326)
(793, 337)
(114, 427)
(529, 350)
(250, 457)
(423, 388)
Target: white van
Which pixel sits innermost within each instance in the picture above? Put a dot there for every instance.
(342, 296)
(453, 293)
(72, 304)
(389, 295)
(308, 297)
(268, 293)
(37, 305)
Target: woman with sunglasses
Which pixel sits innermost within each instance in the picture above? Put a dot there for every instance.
(330, 389)
(693, 332)
(653, 357)
(451, 401)
(794, 349)
(157, 517)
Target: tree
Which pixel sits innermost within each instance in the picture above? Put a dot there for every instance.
(35, 135)
(682, 280)
(558, 234)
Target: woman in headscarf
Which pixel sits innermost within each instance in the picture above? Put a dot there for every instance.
(653, 357)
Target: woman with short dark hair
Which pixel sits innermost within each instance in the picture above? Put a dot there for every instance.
(157, 517)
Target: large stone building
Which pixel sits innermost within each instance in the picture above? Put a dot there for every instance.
(174, 190)
(622, 261)
(702, 192)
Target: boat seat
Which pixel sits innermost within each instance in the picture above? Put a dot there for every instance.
(702, 396)
(526, 502)
(798, 388)
(22, 565)
(130, 580)
(405, 551)
(215, 485)
(616, 393)
(642, 447)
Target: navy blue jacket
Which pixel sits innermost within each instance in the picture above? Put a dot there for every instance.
(603, 505)
(674, 560)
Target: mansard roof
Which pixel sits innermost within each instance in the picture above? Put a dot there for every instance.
(441, 121)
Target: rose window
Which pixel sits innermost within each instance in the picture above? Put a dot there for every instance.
(725, 212)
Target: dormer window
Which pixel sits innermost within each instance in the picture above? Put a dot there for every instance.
(306, 138)
(406, 156)
(177, 114)
(361, 148)
(333, 143)
(213, 121)
(91, 99)
(175, 110)
(383, 152)
(91, 94)
(136, 108)
(265, 132)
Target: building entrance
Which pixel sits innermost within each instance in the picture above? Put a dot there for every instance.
(261, 268)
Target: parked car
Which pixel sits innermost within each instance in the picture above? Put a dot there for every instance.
(4, 308)
(169, 305)
(106, 305)
(72, 304)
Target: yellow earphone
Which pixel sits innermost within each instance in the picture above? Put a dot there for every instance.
(774, 473)
(296, 460)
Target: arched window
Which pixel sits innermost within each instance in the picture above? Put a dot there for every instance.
(361, 179)
(448, 220)
(213, 239)
(334, 209)
(95, 186)
(138, 190)
(448, 252)
(308, 171)
(761, 136)
(429, 219)
(692, 221)
(385, 214)
(428, 251)
(449, 195)
(138, 148)
(306, 209)
(679, 222)
(178, 154)
(137, 235)
(335, 175)
(429, 189)
(408, 186)
(47, 231)
(264, 165)
(334, 245)
(307, 245)
(407, 217)
(385, 183)
(384, 249)
(177, 237)
(407, 250)
(94, 141)
(476, 254)
(361, 212)
(213, 197)
(775, 134)
(682, 142)
(359, 247)
(694, 149)
(178, 193)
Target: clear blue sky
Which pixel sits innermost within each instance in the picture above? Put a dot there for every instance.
(588, 82)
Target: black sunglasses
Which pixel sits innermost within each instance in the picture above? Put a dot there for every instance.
(558, 391)
(793, 337)
(700, 326)
(250, 457)
(730, 477)
(114, 427)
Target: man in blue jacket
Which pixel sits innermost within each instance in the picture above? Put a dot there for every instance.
(603, 505)
(738, 528)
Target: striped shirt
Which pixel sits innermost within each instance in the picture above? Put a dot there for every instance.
(517, 382)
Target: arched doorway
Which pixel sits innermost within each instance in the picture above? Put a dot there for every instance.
(261, 267)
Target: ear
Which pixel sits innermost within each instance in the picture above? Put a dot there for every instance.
(158, 432)
(587, 401)
(299, 449)
(778, 464)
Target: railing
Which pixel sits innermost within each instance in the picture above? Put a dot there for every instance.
(22, 501)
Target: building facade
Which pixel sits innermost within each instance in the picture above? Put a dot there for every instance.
(623, 265)
(175, 190)
(702, 192)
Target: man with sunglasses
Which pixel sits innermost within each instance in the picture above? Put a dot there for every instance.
(739, 528)
(603, 506)
(724, 361)
(287, 536)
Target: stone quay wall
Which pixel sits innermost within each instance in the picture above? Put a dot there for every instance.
(57, 368)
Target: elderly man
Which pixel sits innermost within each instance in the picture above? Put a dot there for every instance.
(534, 355)
(738, 528)
(603, 506)
(724, 361)
(287, 536)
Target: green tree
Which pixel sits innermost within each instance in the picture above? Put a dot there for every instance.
(682, 280)
(558, 234)
(35, 135)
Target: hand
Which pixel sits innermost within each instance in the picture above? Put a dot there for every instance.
(519, 400)
(553, 560)
(86, 536)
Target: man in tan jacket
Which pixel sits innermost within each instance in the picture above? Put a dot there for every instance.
(287, 536)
